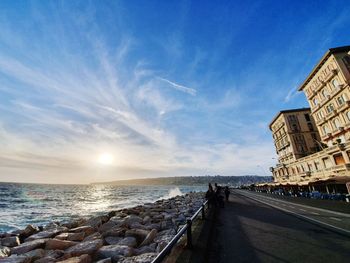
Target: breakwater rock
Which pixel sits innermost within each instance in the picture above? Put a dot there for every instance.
(129, 235)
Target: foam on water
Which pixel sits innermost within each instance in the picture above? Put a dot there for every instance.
(23, 204)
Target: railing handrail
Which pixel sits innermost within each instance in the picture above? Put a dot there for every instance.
(178, 235)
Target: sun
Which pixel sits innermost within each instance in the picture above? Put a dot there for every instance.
(105, 159)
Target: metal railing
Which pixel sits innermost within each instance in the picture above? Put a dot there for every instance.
(186, 228)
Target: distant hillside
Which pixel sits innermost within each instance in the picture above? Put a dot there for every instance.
(194, 180)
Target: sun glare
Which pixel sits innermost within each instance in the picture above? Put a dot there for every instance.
(105, 159)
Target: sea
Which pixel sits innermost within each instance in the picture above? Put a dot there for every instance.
(39, 204)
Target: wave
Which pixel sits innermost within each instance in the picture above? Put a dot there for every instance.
(172, 193)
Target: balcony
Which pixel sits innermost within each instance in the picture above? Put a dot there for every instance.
(339, 168)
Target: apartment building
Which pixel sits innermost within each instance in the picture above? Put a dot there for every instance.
(328, 94)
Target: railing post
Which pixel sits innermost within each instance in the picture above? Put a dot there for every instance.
(203, 211)
(189, 234)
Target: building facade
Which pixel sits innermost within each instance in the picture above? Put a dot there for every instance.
(327, 147)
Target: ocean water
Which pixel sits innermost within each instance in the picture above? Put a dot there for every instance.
(23, 204)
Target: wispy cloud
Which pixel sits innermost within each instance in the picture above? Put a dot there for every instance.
(292, 93)
(179, 87)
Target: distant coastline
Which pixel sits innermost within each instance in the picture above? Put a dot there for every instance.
(193, 180)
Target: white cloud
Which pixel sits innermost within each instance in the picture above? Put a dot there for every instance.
(179, 87)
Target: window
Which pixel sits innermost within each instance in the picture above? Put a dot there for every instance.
(338, 158)
(336, 123)
(340, 100)
(325, 93)
(321, 114)
(325, 129)
(307, 117)
(330, 108)
(348, 115)
(315, 101)
(327, 162)
(335, 83)
(309, 125)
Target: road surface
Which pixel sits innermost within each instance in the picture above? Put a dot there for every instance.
(252, 228)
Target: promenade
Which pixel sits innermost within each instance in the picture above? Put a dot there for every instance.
(247, 230)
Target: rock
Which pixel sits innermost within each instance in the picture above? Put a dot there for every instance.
(144, 249)
(160, 246)
(163, 238)
(117, 220)
(10, 241)
(46, 233)
(85, 247)
(144, 258)
(45, 260)
(139, 234)
(106, 226)
(54, 253)
(166, 224)
(35, 254)
(29, 230)
(16, 259)
(96, 221)
(149, 238)
(132, 219)
(28, 246)
(71, 236)
(114, 252)
(59, 244)
(128, 241)
(115, 232)
(81, 259)
(146, 219)
(88, 230)
(52, 225)
(4, 252)
(112, 240)
(105, 260)
(93, 236)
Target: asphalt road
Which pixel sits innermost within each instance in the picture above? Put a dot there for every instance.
(247, 230)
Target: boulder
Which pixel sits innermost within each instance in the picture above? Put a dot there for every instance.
(163, 238)
(93, 236)
(28, 231)
(112, 240)
(88, 230)
(28, 246)
(35, 254)
(106, 226)
(114, 252)
(146, 219)
(85, 247)
(105, 260)
(132, 219)
(115, 232)
(96, 221)
(54, 253)
(47, 233)
(4, 252)
(16, 259)
(81, 259)
(128, 241)
(144, 258)
(149, 238)
(71, 236)
(46, 260)
(145, 249)
(10, 241)
(59, 244)
(139, 234)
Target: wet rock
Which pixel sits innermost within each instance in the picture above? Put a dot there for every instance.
(28, 246)
(131, 219)
(71, 236)
(145, 249)
(85, 247)
(106, 226)
(47, 233)
(29, 230)
(16, 259)
(97, 221)
(149, 238)
(128, 241)
(105, 260)
(88, 230)
(115, 232)
(46, 260)
(93, 236)
(114, 252)
(10, 241)
(139, 234)
(35, 254)
(4, 252)
(144, 258)
(81, 259)
(52, 225)
(112, 240)
(59, 244)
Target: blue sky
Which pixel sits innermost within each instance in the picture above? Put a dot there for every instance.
(165, 88)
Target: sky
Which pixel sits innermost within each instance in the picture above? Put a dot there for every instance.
(108, 90)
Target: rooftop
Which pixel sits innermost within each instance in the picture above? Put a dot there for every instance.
(321, 62)
(287, 111)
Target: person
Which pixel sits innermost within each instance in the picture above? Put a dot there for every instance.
(227, 193)
(210, 196)
(218, 195)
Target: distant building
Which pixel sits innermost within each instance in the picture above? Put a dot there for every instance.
(305, 155)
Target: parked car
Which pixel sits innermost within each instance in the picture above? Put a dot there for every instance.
(315, 195)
